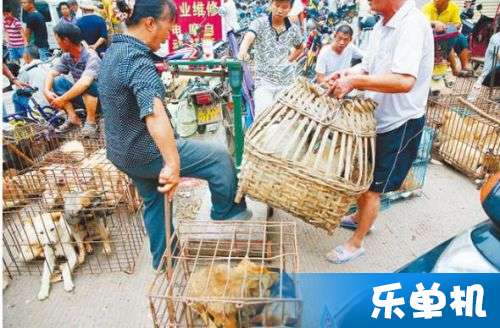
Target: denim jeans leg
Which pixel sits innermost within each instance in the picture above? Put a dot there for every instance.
(21, 104)
(212, 162)
(145, 179)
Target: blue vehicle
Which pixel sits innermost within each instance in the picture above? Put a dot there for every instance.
(476, 250)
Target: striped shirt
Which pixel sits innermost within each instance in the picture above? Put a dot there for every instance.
(13, 29)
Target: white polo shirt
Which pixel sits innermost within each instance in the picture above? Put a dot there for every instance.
(329, 61)
(404, 45)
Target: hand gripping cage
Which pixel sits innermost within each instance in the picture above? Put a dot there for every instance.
(310, 155)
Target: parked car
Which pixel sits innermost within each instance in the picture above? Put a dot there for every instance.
(476, 250)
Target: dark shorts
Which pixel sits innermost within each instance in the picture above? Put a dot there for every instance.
(395, 153)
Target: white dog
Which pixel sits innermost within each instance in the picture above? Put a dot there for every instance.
(51, 232)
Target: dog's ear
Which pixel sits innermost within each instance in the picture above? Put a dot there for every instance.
(56, 216)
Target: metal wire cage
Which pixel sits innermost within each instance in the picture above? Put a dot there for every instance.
(229, 274)
(468, 135)
(103, 239)
(99, 205)
(25, 145)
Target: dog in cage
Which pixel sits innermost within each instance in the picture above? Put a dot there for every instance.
(84, 213)
(246, 280)
(48, 236)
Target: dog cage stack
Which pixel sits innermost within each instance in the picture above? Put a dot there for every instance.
(468, 134)
(24, 145)
(99, 206)
(229, 274)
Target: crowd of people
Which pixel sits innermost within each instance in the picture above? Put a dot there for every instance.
(118, 77)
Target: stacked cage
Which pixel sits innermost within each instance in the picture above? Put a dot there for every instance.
(71, 201)
(229, 274)
(467, 133)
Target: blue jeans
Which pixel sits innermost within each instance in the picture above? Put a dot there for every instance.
(21, 104)
(44, 53)
(61, 85)
(201, 160)
(16, 53)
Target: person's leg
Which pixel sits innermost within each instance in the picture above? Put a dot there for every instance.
(395, 153)
(263, 97)
(145, 178)
(21, 104)
(462, 50)
(211, 162)
(60, 86)
(454, 63)
(90, 100)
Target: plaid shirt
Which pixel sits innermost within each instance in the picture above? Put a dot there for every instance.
(271, 50)
(129, 85)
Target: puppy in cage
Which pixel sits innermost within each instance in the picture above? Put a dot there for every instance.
(47, 235)
(84, 213)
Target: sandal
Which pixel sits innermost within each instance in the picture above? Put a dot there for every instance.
(341, 254)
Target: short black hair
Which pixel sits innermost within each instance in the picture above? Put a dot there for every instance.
(68, 31)
(32, 51)
(62, 3)
(346, 29)
(6, 8)
(146, 8)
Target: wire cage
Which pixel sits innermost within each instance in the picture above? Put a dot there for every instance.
(461, 88)
(25, 145)
(229, 274)
(100, 239)
(468, 135)
(78, 181)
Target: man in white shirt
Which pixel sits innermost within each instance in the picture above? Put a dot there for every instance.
(33, 73)
(397, 72)
(338, 55)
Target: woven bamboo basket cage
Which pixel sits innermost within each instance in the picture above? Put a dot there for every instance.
(310, 155)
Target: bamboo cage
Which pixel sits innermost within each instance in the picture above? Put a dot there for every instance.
(468, 136)
(310, 155)
(229, 274)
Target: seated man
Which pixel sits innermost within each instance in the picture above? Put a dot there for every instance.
(338, 55)
(442, 13)
(83, 64)
(491, 71)
(33, 73)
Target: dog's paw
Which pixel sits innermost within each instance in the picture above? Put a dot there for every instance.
(89, 249)
(81, 258)
(106, 250)
(69, 286)
(43, 294)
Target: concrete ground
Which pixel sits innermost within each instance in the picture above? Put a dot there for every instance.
(449, 204)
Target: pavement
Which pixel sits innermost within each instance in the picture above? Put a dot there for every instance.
(448, 205)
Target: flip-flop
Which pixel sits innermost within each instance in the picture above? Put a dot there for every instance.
(349, 223)
(341, 254)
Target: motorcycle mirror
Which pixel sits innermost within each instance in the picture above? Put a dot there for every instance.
(479, 7)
